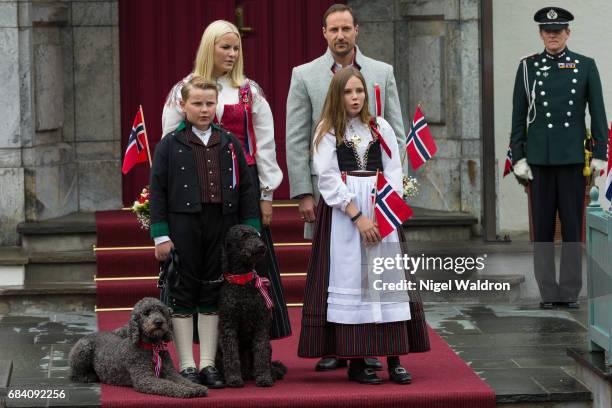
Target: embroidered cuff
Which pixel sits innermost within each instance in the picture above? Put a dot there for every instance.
(266, 194)
(345, 199)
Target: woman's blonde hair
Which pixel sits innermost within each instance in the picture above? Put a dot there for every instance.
(334, 111)
(205, 63)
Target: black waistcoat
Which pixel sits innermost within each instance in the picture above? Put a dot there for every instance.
(348, 162)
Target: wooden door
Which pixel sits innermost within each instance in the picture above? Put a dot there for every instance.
(159, 40)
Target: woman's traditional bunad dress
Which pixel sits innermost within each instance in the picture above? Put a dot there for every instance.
(337, 320)
(245, 112)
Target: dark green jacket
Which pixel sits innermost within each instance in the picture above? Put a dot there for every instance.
(563, 86)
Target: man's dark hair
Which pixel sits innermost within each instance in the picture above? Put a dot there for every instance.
(335, 8)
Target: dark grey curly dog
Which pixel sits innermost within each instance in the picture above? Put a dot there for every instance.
(134, 355)
(244, 318)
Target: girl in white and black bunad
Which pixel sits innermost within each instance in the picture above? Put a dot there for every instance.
(349, 148)
(243, 110)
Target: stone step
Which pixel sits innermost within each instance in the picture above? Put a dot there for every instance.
(50, 297)
(72, 232)
(12, 266)
(434, 225)
(70, 266)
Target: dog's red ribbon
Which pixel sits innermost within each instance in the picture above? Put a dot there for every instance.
(157, 360)
(260, 283)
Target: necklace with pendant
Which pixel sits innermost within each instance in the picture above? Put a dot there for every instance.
(355, 139)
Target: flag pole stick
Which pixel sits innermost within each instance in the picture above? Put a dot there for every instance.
(373, 213)
(146, 136)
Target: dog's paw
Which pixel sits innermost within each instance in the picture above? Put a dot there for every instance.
(199, 391)
(264, 381)
(234, 382)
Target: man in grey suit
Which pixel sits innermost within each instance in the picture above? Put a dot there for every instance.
(309, 85)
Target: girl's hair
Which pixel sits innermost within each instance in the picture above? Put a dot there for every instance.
(333, 117)
(204, 63)
(198, 82)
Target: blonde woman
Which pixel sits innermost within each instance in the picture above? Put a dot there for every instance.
(243, 110)
(350, 148)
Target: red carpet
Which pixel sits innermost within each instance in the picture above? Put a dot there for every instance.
(126, 265)
(440, 380)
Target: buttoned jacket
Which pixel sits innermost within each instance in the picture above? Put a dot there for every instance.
(559, 88)
(175, 184)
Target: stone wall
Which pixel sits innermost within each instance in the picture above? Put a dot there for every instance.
(59, 94)
(434, 48)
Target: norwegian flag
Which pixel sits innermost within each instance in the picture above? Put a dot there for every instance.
(508, 167)
(420, 145)
(391, 211)
(609, 178)
(235, 168)
(137, 150)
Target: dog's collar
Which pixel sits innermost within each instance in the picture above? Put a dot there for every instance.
(240, 279)
(150, 346)
(260, 284)
(157, 360)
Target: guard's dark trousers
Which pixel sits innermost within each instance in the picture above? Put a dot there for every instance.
(558, 188)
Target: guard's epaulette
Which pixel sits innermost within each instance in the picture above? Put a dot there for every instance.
(530, 56)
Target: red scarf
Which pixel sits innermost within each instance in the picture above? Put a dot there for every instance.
(157, 360)
(260, 283)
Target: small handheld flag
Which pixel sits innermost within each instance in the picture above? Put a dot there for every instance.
(137, 150)
(508, 167)
(391, 211)
(420, 145)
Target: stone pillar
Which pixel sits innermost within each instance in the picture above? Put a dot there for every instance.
(434, 48)
(95, 101)
(11, 136)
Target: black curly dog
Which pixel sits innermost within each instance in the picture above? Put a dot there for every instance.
(244, 320)
(126, 357)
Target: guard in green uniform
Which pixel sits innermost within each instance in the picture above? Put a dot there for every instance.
(551, 92)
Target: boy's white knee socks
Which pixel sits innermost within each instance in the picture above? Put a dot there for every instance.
(182, 328)
(209, 333)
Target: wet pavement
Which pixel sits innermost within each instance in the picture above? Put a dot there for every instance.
(520, 351)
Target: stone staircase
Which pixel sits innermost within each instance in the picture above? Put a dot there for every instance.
(59, 265)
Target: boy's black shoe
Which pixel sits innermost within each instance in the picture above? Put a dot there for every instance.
(210, 377)
(191, 374)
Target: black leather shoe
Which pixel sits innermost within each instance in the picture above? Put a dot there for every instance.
(191, 374)
(210, 377)
(364, 376)
(373, 363)
(569, 305)
(546, 305)
(399, 375)
(330, 363)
